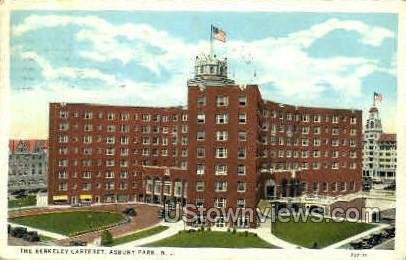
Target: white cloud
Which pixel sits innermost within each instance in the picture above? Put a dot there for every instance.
(282, 61)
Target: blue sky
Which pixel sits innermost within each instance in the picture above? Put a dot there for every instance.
(145, 58)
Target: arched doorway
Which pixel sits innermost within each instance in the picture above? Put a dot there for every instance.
(270, 189)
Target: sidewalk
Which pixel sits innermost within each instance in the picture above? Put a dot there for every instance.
(357, 236)
(40, 231)
(264, 232)
(173, 229)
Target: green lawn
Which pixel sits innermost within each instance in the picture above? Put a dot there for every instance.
(139, 235)
(69, 223)
(324, 233)
(30, 200)
(212, 239)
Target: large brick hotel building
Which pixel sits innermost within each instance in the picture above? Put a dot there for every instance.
(228, 148)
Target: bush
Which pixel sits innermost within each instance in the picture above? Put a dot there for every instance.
(234, 230)
(209, 229)
(202, 228)
(246, 233)
(228, 229)
(106, 238)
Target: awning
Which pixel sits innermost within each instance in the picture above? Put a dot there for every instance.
(60, 197)
(85, 197)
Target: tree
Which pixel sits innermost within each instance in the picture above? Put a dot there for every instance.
(106, 238)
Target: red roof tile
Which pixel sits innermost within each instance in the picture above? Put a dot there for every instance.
(31, 144)
(387, 138)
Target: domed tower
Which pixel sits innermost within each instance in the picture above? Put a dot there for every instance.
(210, 71)
(372, 133)
(373, 126)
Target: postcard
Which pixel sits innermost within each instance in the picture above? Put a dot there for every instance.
(208, 130)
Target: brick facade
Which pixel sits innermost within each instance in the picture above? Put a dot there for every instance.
(228, 148)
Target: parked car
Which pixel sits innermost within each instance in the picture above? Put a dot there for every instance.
(18, 232)
(32, 236)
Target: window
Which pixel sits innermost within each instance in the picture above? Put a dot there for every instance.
(62, 175)
(87, 139)
(184, 117)
(334, 165)
(86, 186)
(87, 175)
(353, 132)
(334, 119)
(124, 140)
(110, 140)
(146, 117)
(242, 118)
(305, 142)
(242, 136)
(221, 101)
(220, 203)
(124, 116)
(123, 174)
(241, 153)
(201, 101)
(221, 152)
(241, 169)
(199, 186)
(63, 114)
(353, 120)
(334, 186)
(110, 162)
(241, 186)
(316, 130)
(111, 128)
(63, 126)
(220, 186)
(200, 118)
(200, 152)
(240, 203)
(242, 101)
(221, 169)
(335, 131)
(221, 135)
(199, 168)
(221, 119)
(317, 118)
(109, 186)
(325, 186)
(88, 115)
(109, 174)
(110, 116)
(200, 135)
(63, 186)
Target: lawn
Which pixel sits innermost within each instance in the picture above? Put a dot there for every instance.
(212, 239)
(324, 233)
(46, 238)
(139, 235)
(30, 200)
(69, 223)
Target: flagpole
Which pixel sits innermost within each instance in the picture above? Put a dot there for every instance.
(211, 40)
(373, 99)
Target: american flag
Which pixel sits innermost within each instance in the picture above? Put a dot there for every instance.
(218, 34)
(378, 97)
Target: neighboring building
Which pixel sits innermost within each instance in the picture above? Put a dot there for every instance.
(379, 158)
(227, 149)
(28, 165)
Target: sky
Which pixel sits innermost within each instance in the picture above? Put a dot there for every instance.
(144, 58)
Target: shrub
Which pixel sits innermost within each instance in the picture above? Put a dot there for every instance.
(202, 228)
(246, 233)
(234, 230)
(228, 229)
(106, 238)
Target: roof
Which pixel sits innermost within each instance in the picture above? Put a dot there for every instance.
(387, 138)
(373, 109)
(27, 146)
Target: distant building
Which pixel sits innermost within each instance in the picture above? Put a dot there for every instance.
(28, 165)
(379, 161)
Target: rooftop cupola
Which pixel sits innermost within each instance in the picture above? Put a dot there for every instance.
(210, 70)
